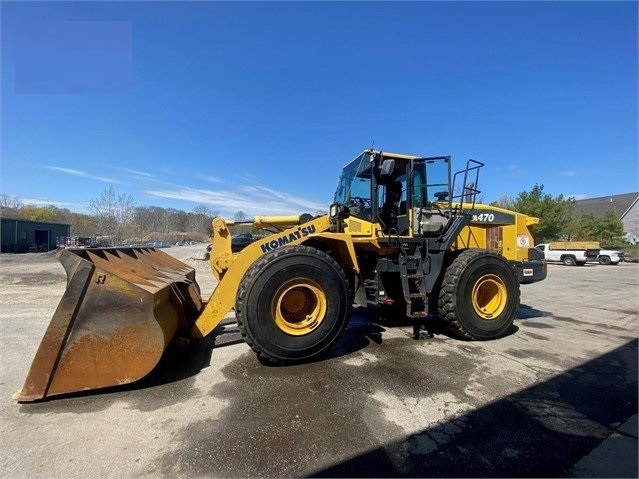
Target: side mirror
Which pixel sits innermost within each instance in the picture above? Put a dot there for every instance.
(386, 170)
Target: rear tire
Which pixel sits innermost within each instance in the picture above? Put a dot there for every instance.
(569, 261)
(479, 295)
(292, 304)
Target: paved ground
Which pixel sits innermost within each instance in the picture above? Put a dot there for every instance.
(614, 457)
(531, 404)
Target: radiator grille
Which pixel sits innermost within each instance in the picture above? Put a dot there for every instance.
(355, 226)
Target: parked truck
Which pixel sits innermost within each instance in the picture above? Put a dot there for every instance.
(570, 253)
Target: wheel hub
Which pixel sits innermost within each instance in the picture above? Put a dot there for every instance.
(299, 306)
(489, 297)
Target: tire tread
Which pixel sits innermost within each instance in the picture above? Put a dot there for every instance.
(446, 303)
(252, 274)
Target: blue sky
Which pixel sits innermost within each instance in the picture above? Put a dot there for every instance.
(258, 106)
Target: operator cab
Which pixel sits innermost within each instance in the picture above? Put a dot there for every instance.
(406, 195)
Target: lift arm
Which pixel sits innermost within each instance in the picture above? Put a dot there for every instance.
(229, 269)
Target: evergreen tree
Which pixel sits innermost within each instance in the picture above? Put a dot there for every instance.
(552, 212)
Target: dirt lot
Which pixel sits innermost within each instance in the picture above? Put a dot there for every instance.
(381, 404)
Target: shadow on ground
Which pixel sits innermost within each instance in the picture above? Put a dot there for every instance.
(538, 432)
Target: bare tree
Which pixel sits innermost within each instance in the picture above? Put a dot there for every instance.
(114, 213)
(240, 216)
(199, 220)
(82, 224)
(9, 205)
(167, 221)
(505, 201)
(145, 219)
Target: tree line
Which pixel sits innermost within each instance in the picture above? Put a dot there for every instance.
(558, 219)
(117, 219)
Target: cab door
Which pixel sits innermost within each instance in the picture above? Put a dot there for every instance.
(431, 195)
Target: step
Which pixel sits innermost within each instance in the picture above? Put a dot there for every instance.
(417, 296)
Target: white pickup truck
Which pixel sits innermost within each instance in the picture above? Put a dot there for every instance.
(570, 253)
(609, 256)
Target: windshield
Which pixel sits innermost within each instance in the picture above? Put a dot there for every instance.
(354, 187)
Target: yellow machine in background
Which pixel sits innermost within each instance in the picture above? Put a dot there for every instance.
(402, 229)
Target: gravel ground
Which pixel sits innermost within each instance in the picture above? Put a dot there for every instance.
(381, 404)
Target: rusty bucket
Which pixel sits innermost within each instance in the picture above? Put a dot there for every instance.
(121, 309)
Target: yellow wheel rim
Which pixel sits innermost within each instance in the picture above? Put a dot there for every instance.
(489, 297)
(299, 306)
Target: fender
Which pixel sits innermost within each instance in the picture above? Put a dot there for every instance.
(229, 269)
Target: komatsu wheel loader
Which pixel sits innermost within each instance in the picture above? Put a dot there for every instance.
(401, 230)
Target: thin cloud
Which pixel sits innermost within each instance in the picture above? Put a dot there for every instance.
(211, 179)
(568, 173)
(135, 174)
(142, 174)
(263, 192)
(249, 199)
(83, 174)
(579, 196)
(45, 202)
(250, 178)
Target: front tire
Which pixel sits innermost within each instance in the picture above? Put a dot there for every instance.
(479, 295)
(292, 304)
(604, 260)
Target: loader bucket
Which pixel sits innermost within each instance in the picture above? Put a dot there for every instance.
(121, 309)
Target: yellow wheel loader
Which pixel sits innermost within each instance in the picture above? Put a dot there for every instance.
(402, 231)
